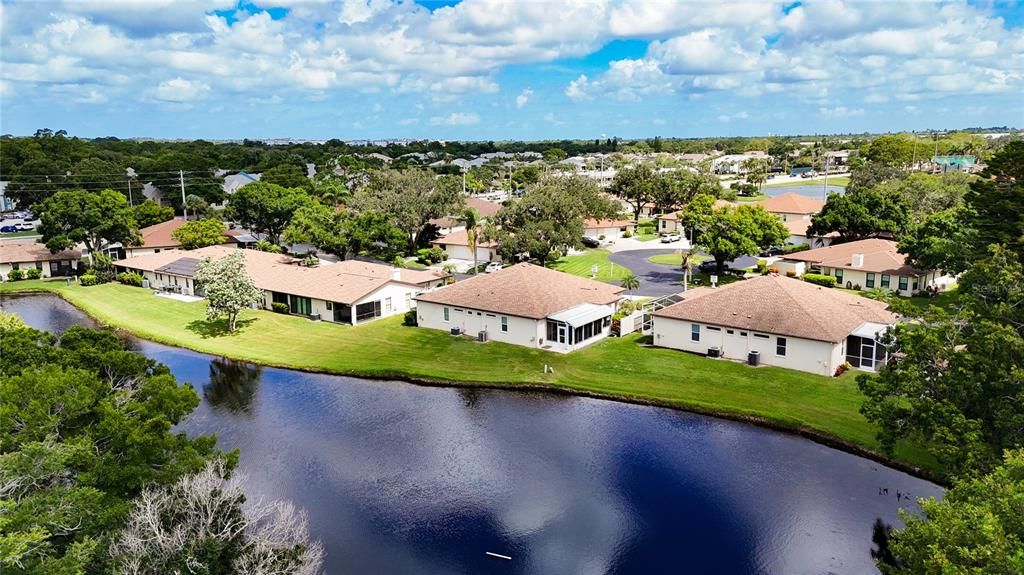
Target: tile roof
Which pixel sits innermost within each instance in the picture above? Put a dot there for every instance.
(524, 290)
(792, 203)
(159, 235)
(780, 305)
(461, 238)
(485, 208)
(18, 252)
(798, 227)
(880, 256)
(344, 282)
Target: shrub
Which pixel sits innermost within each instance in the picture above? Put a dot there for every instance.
(33, 273)
(15, 275)
(820, 279)
(793, 248)
(773, 270)
(130, 279)
(88, 280)
(856, 287)
(601, 237)
(627, 234)
(399, 262)
(102, 268)
(761, 268)
(790, 274)
(311, 261)
(410, 318)
(279, 307)
(430, 256)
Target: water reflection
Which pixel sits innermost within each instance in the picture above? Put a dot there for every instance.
(233, 385)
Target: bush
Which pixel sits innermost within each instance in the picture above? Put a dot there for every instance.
(856, 287)
(410, 318)
(88, 280)
(793, 248)
(430, 256)
(34, 273)
(130, 279)
(820, 279)
(102, 268)
(773, 270)
(15, 275)
(279, 307)
(601, 237)
(627, 234)
(790, 274)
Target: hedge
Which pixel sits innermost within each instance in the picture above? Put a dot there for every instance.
(820, 279)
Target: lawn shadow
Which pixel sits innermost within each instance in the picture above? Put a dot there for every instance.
(216, 328)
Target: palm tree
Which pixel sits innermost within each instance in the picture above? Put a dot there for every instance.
(630, 282)
(471, 219)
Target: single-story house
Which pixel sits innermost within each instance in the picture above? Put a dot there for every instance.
(18, 255)
(456, 245)
(608, 229)
(159, 237)
(350, 291)
(485, 208)
(233, 182)
(788, 322)
(669, 222)
(798, 234)
(865, 264)
(792, 206)
(525, 305)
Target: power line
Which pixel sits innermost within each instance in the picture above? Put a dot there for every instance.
(115, 175)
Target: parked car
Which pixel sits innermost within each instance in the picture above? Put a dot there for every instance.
(590, 242)
(772, 251)
(25, 226)
(707, 267)
(8, 229)
(492, 267)
(669, 238)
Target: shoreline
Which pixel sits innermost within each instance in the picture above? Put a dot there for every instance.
(802, 430)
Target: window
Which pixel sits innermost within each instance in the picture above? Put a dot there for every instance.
(368, 310)
(301, 305)
(278, 297)
(330, 305)
(728, 331)
(712, 328)
(694, 332)
(446, 315)
(869, 280)
(156, 251)
(839, 276)
(743, 333)
(504, 324)
(915, 283)
(780, 346)
(387, 305)
(39, 266)
(904, 280)
(761, 335)
(408, 299)
(15, 266)
(885, 280)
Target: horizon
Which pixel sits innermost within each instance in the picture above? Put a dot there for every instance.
(487, 70)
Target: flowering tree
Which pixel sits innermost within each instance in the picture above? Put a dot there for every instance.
(228, 288)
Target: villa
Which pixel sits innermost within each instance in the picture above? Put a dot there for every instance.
(20, 255)
(350, 291)
(484, 208)
(525, 305)
(791, 206)
(608, 229)
(159, 237)
(779, 321)
(456, 245)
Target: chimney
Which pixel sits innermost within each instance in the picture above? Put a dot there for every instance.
(396, 274)
(858, 260)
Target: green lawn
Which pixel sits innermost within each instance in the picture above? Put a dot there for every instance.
(581, 264)
(673, 259)
(947, 300)
(619, 368)
(832, 181)
(21, 234)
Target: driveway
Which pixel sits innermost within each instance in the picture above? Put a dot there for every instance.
(659, 279)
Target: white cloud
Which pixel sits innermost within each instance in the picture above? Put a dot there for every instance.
(736, 116)
(523, 97)
(180, 90)
(841, 112)
(456, 119)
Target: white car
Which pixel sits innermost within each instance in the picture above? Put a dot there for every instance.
(25, 226)
(669, 238)
(492, 267)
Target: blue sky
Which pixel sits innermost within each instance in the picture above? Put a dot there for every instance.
(488, 69)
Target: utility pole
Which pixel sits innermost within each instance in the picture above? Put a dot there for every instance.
(184, 208)
(130, 202)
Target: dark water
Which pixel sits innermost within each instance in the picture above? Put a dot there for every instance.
(816, 191)
(399, 478)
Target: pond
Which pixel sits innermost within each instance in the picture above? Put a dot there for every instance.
(817, 191)
(399, 478)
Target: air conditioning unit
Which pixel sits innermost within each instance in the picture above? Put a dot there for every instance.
(714, 352)
(145, 284)
(754, 358)
(314, 316)
(456, 331)
(482, 335)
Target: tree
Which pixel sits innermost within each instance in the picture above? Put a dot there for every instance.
(199, 234)
(728, 233)
(630, 282)
(410, 198)
(891, 150)
(69, 217)
(548, 217)
(926, 194)
(167, 170)
(266, 208)
(863, 214)
(954, 384)
(202, 520)
(978, 527)
(471, 220)
(942, 241)
(288, 176)
(871, 174)
(228, 287)
(636, 186)
(346, 233)
(150, 213)
(84, 428)
(195, 205)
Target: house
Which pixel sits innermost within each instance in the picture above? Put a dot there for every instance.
(792, 206)
(787, 322)
(865, 264)
(350, 291)
(485, 208)
(6, 203)
(456, 245)
(943, 164)
(733, 163)
(235, 181)
(798, 234)
(525, 305)
(159, 237)
(19, 255)
(668, 223)
(608, 229)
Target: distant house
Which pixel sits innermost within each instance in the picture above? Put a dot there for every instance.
(28, 255)
(485, 209)
(349, 291)
(943, 164)
(733, 163)
(792, 206)
(798, 234)
(865, 264)
(159, 237)
(669, 223)
(6, 203)
(608, 229)
(525, 305)
(456, 245)
(235, 181)
(800, 171)
(786, 322)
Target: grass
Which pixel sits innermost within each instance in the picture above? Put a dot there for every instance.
(945, 300)
(824, 407)
(581, 264)
(673, 259)
(21, 234)
(753, 198)
(832, 181)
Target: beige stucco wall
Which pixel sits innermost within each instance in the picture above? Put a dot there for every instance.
(521, 331)
(132, 252)
(802, 354)
(669, 226)
(6, 268)
(463, 253)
